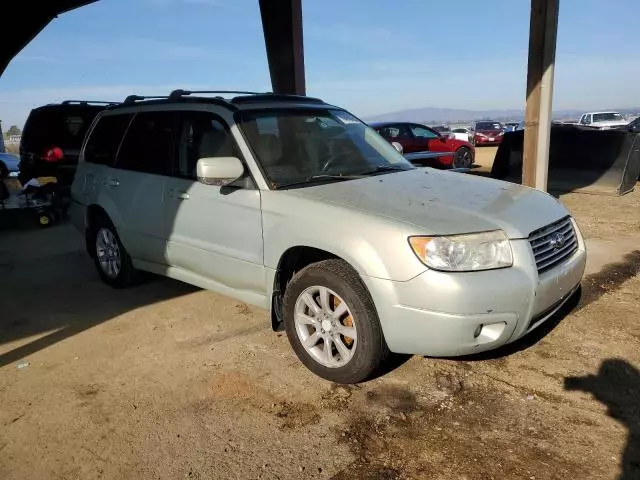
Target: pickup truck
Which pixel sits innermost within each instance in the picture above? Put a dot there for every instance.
(602, 120)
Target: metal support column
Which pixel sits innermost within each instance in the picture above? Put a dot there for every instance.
(543, 31)
(282, 27)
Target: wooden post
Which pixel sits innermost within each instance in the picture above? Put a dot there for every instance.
(543, 31)
(282, 27)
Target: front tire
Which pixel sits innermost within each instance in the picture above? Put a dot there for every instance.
(463, 158)
(110, 257)
(332, 323)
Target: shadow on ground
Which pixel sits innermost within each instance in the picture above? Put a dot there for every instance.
(617, 386)
(58, 295)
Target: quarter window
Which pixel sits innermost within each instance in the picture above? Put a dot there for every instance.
(102, 145)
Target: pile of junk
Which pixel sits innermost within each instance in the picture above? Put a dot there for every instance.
(40, 198)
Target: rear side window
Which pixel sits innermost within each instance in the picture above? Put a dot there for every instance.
(102, 145)
(149, 144)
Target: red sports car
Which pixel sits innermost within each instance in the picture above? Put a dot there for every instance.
(419, 138)
(488, 133)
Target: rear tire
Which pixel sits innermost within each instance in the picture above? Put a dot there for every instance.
(345, 343)
(463, 158)
(109, 255)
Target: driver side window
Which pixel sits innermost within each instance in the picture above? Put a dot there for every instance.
(422, 132)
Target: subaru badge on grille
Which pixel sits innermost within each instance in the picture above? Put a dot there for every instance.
(557, 241)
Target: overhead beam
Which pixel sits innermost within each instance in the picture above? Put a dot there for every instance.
(543, 30)
(29, 17)
(282, 27)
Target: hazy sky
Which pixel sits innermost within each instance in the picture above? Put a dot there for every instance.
(370, 56)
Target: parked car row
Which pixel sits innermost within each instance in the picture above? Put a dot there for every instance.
(298, 207)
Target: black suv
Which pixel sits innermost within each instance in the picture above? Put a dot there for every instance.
(52, 138)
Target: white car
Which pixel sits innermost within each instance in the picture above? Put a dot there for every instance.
(603, 120)
(296, 206)
(464, 134)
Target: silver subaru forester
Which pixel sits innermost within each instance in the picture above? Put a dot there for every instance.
(298, 207)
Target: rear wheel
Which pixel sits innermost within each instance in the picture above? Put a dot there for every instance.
(463, 158)
(332, 324)
(110, 257)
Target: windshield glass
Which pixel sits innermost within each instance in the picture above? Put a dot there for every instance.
(607, 117)
(298, 146)
(488, 126)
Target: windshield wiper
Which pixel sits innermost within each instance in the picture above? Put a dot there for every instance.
(319, 178)
(384, 168)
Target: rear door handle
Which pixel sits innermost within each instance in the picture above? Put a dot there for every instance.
(179, 194)
(113, 182)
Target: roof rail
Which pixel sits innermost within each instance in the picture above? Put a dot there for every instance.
(270, 97)
(182, 93)
(85, 102)
(136, 98)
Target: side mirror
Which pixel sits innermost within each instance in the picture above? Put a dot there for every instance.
(443, 138)
(219, 171)
(397, 146)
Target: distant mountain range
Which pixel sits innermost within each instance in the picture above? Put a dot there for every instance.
(431, 115)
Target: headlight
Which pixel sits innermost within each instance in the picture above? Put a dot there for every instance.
(480, 134)
(501, 133)
(464, 253)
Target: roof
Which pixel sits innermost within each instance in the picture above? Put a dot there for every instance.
(29, 17)
(241, 101)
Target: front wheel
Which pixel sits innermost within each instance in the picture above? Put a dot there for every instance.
(463, 158)
(332, 324)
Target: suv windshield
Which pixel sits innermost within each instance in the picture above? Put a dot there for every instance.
(607, 117)
(303, 146)
(488, 126)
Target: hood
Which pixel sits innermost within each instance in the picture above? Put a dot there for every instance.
(443, 203)
(455, 143)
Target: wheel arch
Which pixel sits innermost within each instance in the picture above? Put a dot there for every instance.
(292, 260)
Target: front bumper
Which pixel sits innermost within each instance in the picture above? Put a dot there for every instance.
(450, 314)
(486, 141)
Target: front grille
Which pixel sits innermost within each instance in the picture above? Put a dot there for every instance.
(553, 244)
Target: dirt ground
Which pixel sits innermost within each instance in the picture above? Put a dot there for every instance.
(167, 381)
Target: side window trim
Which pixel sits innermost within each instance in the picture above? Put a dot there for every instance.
(124, 135)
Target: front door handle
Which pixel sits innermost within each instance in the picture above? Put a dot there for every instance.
(180, 195)
(113, 182)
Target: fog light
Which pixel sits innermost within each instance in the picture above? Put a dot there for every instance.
(489, 333)
(476, 334)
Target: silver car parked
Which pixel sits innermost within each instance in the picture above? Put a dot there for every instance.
(298, 207)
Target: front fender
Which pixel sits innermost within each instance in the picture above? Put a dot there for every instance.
(373, 246)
